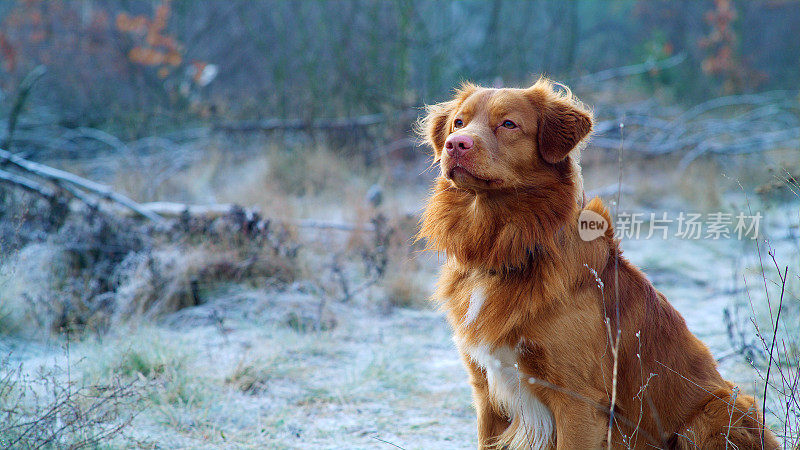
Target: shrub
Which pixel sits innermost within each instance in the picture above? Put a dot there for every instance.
(97, 270)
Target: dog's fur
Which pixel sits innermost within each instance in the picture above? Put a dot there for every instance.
(535, 309)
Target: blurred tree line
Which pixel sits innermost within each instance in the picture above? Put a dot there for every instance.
(136, 66)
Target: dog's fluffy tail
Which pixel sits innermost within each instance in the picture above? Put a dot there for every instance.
(728, 420)
(596, 205)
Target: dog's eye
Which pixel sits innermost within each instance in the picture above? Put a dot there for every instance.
(458, 123)
(509, 124)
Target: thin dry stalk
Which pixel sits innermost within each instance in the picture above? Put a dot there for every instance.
(772, 346)
(734, 396)
(615, 343)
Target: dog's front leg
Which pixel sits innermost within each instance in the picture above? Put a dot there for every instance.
(578, 425)
(490, 423)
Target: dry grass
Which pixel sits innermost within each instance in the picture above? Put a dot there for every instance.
(98, 272)
(404, 289)
(282, 182)
(51, 409)
(162, 366)
(253, 376)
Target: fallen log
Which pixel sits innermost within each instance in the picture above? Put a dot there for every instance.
(69, 180)
(174, 210)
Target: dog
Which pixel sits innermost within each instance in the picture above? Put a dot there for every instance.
(567, 344)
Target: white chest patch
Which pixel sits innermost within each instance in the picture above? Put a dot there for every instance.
(476, 300)
(532, 422)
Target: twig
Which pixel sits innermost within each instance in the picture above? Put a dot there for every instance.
(322, 225)
(318, 124)
(734, 396)
(610, 190)
(772, 347)
(95, 134)
(745, 412)
(615, 343)
(634, 69)
(24, 90)
(627, 422)
(733, 125)
(26, 184)
(214, 210)
(387, 442)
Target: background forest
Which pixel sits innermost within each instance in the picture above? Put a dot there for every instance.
(207, 209)
(139, 66)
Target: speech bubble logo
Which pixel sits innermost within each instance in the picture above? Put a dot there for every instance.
(591, 225)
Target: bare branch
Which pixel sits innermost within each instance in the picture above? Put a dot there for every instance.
(635, 69)
(24, 90)
(319, 124)
(26, 184)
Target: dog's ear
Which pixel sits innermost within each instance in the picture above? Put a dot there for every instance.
(563, 121)
(562, 125)
(434, 126)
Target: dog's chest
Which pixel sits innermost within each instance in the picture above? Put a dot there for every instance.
(532, 421)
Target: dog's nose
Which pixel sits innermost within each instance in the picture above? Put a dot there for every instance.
(458, 145)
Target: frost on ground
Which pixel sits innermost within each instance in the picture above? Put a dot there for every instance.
(249, 369)
(247, 382)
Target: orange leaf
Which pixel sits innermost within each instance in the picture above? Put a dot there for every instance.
(146, 56)
(130, 24)
(173, 58)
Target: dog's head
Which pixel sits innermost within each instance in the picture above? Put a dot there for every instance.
(491, 139)
(509, 182)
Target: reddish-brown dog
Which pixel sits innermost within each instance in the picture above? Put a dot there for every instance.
(554, 329)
